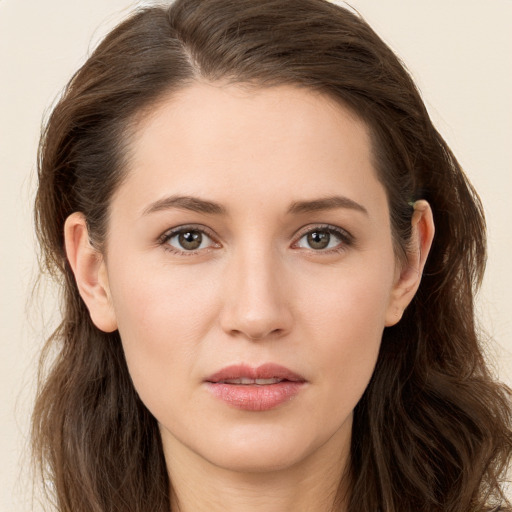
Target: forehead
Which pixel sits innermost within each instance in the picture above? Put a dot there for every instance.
(276, 114)
(230, 141)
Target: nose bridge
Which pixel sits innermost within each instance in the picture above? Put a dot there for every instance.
(255, 304)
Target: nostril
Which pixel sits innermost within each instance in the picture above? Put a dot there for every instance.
(254, 335)
(274, 333)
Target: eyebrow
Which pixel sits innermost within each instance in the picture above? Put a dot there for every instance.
(209, 207)
(190, 203)
(326, 203)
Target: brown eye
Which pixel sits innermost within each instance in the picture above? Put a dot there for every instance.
(318, 239)
(324, 239)
(187, 240)
(190, 240)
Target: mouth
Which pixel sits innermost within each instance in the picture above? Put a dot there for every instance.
(266, 374)
(245, 381)
(255, 389)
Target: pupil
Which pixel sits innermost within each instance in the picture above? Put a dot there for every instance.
(190, 239)
(319, 239)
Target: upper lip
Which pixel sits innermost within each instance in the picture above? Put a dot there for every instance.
(265, 371)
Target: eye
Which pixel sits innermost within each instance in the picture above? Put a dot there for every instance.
(187, 239)
(324, 238)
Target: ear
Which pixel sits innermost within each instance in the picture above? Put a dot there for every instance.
(408, 276)
(90, 272)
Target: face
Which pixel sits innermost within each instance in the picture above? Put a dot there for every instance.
(249, 268)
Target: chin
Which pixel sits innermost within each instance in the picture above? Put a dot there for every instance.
(262, 449)
(258, 459)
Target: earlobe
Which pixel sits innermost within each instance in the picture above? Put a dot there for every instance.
(409, 276)
(90, 272)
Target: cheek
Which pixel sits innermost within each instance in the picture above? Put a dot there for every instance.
(161, 299)
(351, 299)
(346, 319)
(162, 318)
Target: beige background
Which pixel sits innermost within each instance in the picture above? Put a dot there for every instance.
(458, 50)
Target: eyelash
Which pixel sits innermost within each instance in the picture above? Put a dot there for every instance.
(346, 239)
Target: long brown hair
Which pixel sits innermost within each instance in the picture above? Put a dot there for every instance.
(432, 431)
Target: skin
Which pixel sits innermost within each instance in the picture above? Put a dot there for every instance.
(255, 291)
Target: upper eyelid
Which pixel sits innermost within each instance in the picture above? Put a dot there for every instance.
(169, 233)
(327, 227)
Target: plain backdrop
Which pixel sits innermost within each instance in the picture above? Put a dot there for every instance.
(459, 52)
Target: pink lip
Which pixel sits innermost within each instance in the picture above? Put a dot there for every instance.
(255, 397)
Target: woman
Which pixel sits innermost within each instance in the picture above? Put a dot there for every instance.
(241, 198)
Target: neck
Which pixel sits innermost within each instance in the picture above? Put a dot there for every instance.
(316, 483)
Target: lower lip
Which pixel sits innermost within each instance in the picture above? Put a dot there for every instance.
(255, 397)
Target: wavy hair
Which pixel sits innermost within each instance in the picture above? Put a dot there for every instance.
(432, 431)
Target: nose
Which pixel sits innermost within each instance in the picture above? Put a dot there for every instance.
(256, 302)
